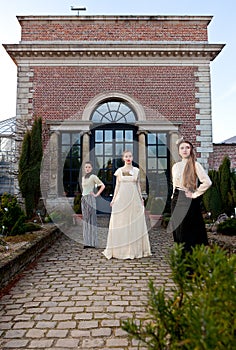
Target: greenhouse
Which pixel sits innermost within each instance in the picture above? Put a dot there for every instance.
(7, 155)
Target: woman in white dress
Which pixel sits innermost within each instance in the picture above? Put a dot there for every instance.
(128, 235)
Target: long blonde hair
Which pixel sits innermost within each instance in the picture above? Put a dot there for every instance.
(190, 174)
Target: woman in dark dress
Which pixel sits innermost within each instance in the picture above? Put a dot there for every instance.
(190, 181)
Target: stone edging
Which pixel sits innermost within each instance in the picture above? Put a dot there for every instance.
(228, 246)
(12, 267)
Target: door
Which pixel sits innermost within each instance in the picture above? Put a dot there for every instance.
(107, 145)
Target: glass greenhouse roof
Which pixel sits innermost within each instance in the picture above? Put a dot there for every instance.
(7, 127)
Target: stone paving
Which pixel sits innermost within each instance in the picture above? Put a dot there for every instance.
(74, 298)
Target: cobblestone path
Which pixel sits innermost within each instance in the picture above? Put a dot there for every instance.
(73, 298)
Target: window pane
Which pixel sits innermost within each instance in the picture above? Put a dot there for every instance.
(162, 139)
(124, 109)
(99, 162)
(65, 139)
(162, 163)
(113, 106)
(151, 139)
(65, 150)
(108, 149)
(108, 135)
(98, 149)
(113, 111)
(152, 163)
(102, 108)
(98, 135)
(119, 135)
(130, 117)
(152, 151)
(113, 116)
(119, 149)
(128, 135)
(96, 117)
(162, 151)
(76, 138)
(129, 147)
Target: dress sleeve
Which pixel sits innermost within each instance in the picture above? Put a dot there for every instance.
(116, 173)
(97, 181)
(203, 178)
(173, 175)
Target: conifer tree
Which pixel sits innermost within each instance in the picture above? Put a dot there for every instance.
(212, 197)
(225, 185)
(29, 167)
(35, 159)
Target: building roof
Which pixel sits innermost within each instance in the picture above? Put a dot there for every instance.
(7, 127)
(230, 140)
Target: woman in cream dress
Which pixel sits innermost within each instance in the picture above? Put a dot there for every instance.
(128, 235)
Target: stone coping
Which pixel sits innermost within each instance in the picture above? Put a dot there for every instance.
(13, 265)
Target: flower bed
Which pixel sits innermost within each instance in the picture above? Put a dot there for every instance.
(22, 252)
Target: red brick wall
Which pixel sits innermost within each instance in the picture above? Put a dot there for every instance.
(98, 30)
(219, 152)
(63, 92)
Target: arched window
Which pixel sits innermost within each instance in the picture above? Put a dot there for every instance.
(113, 112)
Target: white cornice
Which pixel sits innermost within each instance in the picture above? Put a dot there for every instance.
(206, 19)
(112, 51)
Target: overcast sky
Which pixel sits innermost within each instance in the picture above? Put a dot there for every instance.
(221, 30)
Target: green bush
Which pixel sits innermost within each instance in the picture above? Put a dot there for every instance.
(227, 227)
(212, 202)
(77, 204)
(221, 196)
(199, 313)
(11, 216)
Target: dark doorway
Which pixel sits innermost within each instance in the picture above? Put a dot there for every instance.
(107, 143)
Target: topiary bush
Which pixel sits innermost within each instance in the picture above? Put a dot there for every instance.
(199, 313)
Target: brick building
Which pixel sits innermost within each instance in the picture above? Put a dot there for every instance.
(220, 151)
(103, 84)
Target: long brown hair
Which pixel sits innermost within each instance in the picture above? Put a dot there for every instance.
(189, 175)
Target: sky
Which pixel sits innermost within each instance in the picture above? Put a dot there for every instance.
(221, 30)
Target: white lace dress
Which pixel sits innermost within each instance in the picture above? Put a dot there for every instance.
(128, 235)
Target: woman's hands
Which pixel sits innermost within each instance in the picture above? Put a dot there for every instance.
(188, 194)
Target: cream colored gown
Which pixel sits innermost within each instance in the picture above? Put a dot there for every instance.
(128, 235)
